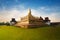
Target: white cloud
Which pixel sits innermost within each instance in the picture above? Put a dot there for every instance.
(15, 13)
(54, 17)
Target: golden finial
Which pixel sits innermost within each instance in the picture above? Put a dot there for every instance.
(29, 11)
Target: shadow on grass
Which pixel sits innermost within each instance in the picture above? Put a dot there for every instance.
(35, 26)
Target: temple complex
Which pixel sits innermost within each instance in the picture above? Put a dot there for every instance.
(30, 21)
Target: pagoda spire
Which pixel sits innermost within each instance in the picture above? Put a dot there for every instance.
(29, 12)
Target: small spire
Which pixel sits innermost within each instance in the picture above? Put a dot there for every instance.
(41, 18)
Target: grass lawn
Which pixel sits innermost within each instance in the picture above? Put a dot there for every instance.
(42, 33)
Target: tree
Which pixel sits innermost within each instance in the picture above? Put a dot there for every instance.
(13, 21)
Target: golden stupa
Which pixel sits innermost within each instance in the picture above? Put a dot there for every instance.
(30, 21)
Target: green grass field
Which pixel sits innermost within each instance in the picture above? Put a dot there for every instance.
(42, 33)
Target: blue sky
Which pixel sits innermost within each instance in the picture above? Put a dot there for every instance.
(29, 3)
(11, 8)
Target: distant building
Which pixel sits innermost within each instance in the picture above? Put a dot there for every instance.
(13, 21)
(47, 21)
(31, 21)
(55, 23)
